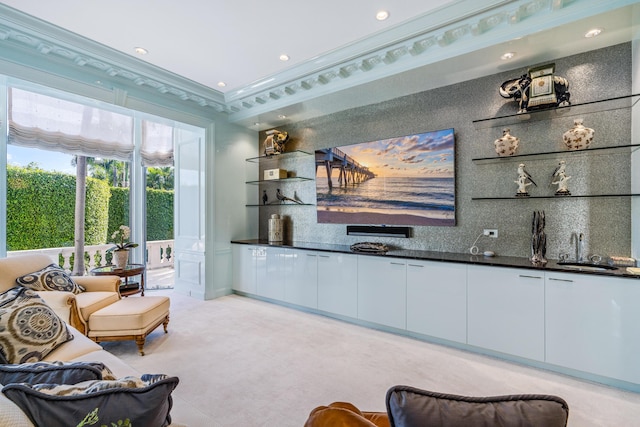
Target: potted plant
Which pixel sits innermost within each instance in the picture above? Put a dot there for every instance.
(120, 251)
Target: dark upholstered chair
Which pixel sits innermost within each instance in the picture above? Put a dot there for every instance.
(412, 407)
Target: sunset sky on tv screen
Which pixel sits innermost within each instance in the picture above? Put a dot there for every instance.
(408, 180)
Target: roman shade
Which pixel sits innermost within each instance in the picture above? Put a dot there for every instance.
(44, 122)
(157, 144)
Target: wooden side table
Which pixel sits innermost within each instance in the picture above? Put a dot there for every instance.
(128, 271)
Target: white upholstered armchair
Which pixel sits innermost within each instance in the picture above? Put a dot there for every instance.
(100, 291)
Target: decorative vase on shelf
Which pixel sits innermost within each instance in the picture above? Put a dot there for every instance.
(578, 137)
(276, 234)
(538, 239)
(507, 144)
(121, 258)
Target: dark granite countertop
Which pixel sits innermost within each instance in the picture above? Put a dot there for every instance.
(497, 261)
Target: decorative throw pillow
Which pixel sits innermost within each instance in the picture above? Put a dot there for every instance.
(54, 372)
(412, 407)
(50, 278)
(29, 328)
(144, 401)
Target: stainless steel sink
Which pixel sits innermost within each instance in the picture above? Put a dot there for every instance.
(587, 266)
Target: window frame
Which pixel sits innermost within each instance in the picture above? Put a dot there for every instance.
(137, 199)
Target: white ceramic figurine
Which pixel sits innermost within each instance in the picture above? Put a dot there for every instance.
(562, 179)
(524, 180)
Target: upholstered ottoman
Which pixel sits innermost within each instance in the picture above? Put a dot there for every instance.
(129, 319)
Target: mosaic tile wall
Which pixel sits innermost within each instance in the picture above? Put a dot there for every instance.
(606, 222)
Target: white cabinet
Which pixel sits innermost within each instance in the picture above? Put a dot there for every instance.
(301, 285)
(506, 310)
(338, 283)
(271, 273)
(245, 260)
(593, 324)
(437, 299)
(382, 290)
(586, 323)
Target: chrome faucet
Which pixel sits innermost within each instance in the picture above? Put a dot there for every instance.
(579, 239)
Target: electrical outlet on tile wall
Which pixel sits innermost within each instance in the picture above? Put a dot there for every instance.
(491, 232)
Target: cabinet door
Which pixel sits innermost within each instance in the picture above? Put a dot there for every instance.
(272, 273)
(437, 299)
(593, 324)
(244, 268)
(506, 310)
(382, 291)
(338, 284)
(301, 285)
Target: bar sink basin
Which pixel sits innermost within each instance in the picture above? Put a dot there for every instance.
(587, 266)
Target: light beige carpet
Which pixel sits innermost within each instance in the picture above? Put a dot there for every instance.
(248, 363)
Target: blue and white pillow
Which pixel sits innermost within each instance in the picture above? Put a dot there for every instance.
(29, 328)
(144, 401)
(50, 278)
(54, 372)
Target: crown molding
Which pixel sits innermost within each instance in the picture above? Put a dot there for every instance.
(455, 29)
(424, 26)
(22, 34)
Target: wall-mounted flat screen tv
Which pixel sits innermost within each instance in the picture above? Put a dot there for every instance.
(409, 180)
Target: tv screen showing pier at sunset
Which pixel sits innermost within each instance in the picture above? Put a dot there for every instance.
(408, 180)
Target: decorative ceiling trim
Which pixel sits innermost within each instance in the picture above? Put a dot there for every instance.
(21, 33)
(434, 42)
(461, 27)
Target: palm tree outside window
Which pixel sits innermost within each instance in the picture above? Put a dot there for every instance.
(84, 131)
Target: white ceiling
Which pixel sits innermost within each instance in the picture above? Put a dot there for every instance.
(341, 56)
(234, 41)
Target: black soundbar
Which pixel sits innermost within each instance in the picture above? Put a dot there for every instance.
(379, 231)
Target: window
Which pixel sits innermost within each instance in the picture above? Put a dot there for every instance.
(46, 131)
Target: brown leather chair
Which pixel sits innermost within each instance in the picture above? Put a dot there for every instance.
(412, 407)
(343, 414)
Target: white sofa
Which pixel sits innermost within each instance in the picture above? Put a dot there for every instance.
(81, 348)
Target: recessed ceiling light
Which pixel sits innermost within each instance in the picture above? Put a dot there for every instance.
(593, 33)
(382, 15)
(140, 50)
(221, 84)
(507, 56)
(284, 57)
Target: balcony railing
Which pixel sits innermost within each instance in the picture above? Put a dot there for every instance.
(159, 255)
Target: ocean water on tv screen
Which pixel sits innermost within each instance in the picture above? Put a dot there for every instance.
(425, 197)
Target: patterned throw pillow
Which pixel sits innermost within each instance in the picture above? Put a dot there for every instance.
(144, 401)
(54, 372)
(29, 328)
(50, 278)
